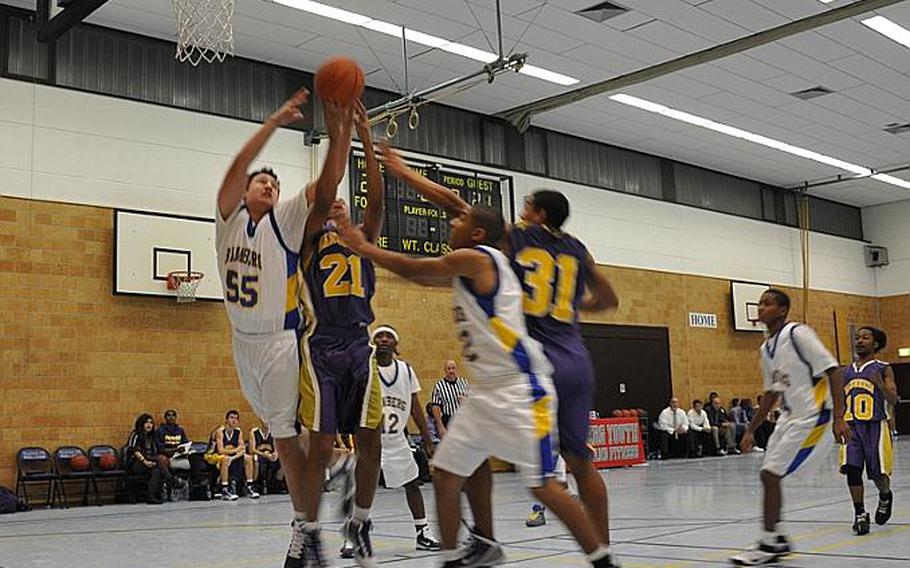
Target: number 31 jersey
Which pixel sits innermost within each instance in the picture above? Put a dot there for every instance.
(552, 268)
(339, 284)
(865, 402)
(258, 262)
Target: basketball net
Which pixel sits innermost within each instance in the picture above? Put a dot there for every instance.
(205, 30)
(185, 284)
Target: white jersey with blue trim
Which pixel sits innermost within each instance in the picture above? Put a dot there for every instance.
(258, 265)
(794, 362)
(492, 327)
(399, 382)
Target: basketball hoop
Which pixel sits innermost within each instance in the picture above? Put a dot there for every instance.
(185, 283)
(205, 30)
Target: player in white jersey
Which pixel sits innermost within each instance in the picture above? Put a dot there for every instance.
(800, 373)
(257, 240)
(511, 410)
(399, 402)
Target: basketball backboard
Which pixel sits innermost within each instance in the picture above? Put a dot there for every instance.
(744, 298)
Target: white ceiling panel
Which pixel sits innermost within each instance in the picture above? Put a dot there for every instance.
(869, 74)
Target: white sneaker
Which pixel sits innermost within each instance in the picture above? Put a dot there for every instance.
(763, 553)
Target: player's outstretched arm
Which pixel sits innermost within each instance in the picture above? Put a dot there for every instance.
(445, 198)
(468, 263)
(338, 121)
(372, 215)
(234, 184)
(601, 295)
(839, 426)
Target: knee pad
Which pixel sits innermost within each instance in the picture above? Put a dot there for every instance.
(854, 475)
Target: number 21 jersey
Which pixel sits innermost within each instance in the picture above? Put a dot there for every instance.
(257, 263)
(339, 284)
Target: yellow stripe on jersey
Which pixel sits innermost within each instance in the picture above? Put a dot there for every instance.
(371, 411)
(815, 435)
(507, 336)
(543, 418)
(885, 448)
(821, 393)
(842, 455)
(291, 293)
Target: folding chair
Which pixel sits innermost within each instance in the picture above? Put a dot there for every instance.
(63, 457)
(34, 466)
(115, 474)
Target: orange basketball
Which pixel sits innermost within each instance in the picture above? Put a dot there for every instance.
(79, 463)
(633, 413)
(107, 461)
(340, 80)
(626, 413)
(617, 413)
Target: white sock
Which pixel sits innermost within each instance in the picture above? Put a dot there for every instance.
(769, 537)
(299, 516)
(420, 523)
(450, 555)
(359, 514)
(311, 526)
(602, 551)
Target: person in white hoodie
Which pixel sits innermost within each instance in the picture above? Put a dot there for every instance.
(674, 428)
(699, 430)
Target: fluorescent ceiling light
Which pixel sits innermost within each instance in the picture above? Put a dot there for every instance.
(756, 139)
(421, 38)
(889, 29)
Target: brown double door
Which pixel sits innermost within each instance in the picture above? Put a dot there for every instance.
(632, 367)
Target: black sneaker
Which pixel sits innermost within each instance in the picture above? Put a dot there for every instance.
(861, 524)
(359, 535)
(296, 557)
(606, 562)
(483, 552)
(883, 511)
(251, 491)
(347, 549)
(312, 543)
(426, 540)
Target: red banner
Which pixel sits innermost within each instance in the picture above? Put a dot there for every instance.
(616, 442)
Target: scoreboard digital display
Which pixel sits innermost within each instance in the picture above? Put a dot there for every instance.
(412, 224)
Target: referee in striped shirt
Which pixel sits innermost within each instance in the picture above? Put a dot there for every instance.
(448, 395)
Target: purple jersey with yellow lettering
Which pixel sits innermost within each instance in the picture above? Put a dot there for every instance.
(865, 401)
(340, 285)
(552, 267)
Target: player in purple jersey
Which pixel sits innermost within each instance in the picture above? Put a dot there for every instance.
(340, 391)
(559, 278)
(868, 385)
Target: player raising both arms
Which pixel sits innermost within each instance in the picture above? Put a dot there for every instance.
(868, 385)
(340, 389)
(257, 239)
(559, 278)
(511, 410)
(799, 373)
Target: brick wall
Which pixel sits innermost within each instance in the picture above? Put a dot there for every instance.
(80, 364)
(895, 321)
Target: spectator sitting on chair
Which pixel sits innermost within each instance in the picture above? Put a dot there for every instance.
(225, 448)
(673, 425)
(170, 436)
(699, 430)
(265, 458)
(763, 433)
(722, 428)
(144, 459)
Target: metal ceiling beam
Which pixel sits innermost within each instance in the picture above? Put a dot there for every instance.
(520, 116)
(74, 13)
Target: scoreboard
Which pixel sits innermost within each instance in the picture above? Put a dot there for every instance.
(412, 224)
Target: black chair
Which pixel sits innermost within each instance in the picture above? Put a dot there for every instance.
(115, 474)
(63, 457)
(35, 466)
